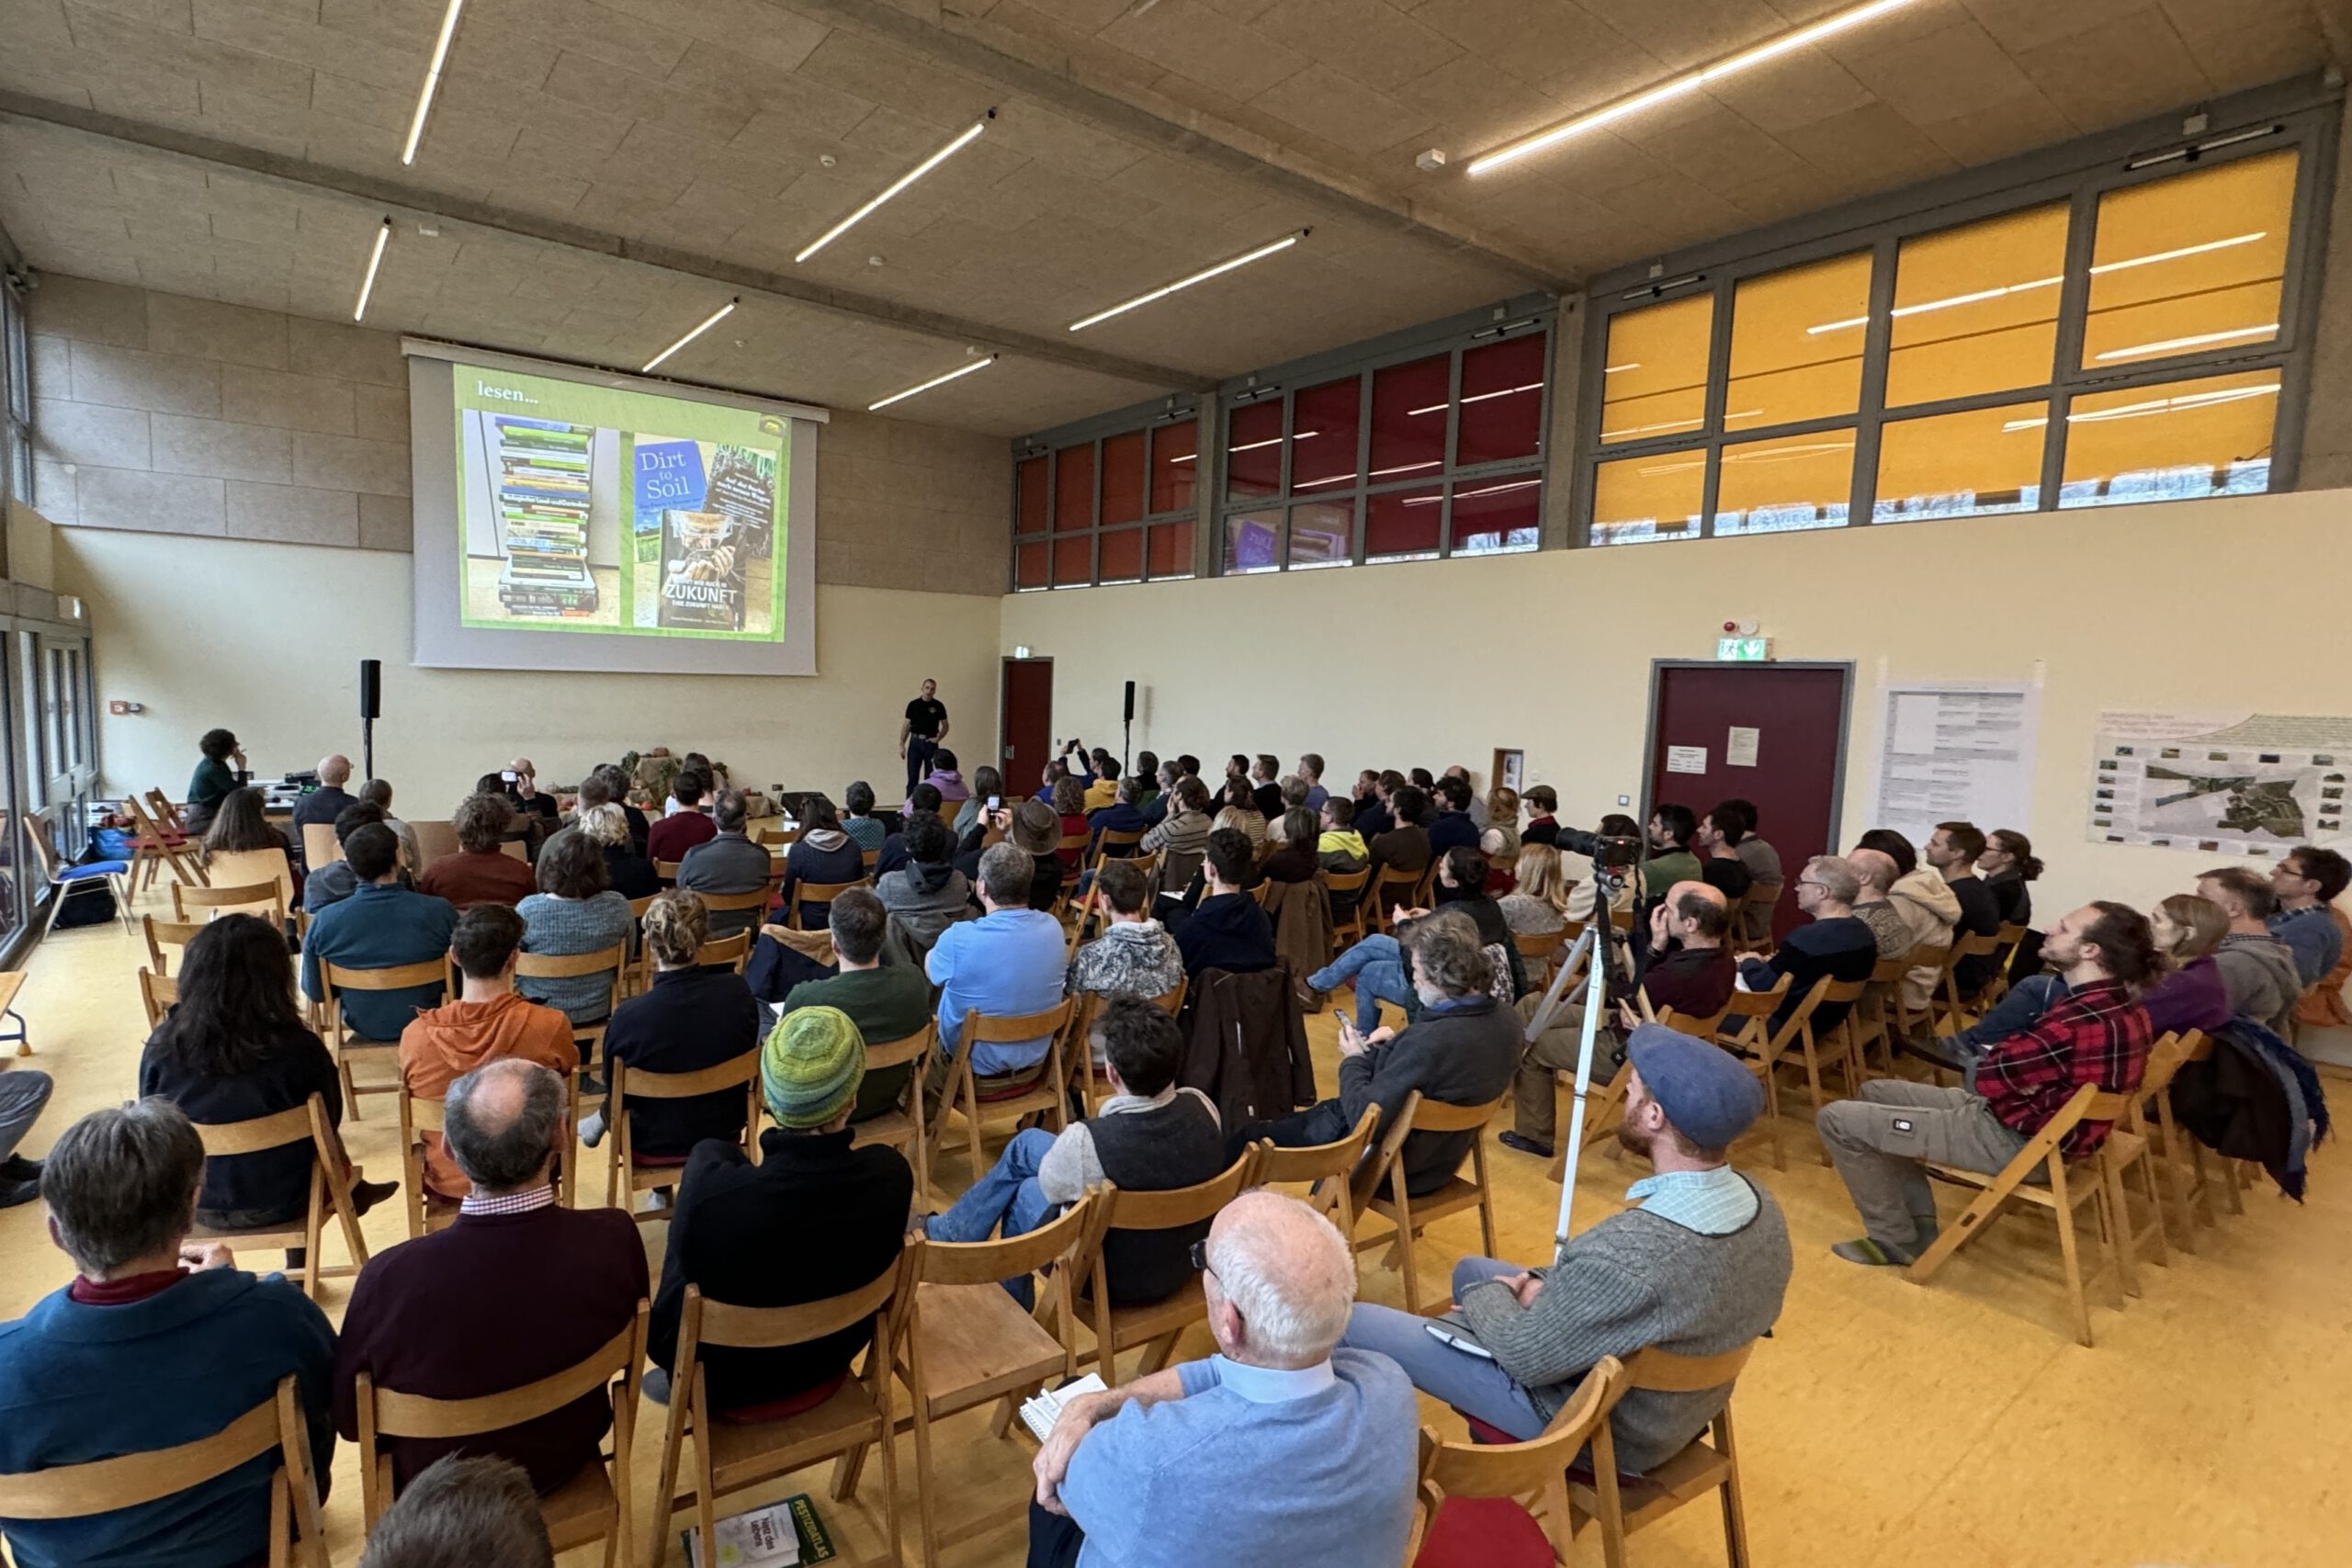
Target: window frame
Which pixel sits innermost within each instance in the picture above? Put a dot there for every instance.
(2079, 175)
(15, 401)
(1049, 450)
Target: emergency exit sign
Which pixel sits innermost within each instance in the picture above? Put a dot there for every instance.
(1744, 650)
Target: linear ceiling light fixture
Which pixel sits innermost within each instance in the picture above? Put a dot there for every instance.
(1164, 290)
(1690, 82)
(964, 139)
(935, 381)
(375, 260)
(708, 322)
(432, 80)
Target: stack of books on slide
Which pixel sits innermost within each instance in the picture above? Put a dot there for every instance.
(543, 512)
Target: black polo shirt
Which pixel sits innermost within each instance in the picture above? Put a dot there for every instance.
(925, 717)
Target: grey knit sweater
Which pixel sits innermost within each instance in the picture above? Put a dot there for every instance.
(1630, 1282)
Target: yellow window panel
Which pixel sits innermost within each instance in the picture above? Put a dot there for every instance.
(1976, 307)
(1786, 483)
(2191, 263)
(2179, 441)
(1782, 369)
(1962, 464)
(1654, 381)
(1662, 496)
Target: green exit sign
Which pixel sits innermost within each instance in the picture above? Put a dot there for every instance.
(1744, 650)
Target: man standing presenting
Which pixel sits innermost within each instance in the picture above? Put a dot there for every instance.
(920, 732)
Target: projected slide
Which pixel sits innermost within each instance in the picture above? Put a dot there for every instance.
(587, 508)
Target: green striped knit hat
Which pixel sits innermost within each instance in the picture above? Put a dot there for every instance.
(811, 1067)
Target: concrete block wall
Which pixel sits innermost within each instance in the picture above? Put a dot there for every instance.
(156, 412)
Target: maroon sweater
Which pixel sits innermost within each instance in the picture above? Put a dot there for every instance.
(494, 1302)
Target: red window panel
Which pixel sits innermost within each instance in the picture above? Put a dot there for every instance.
(1073, 491)
(1073, 559)
(1029, 567)
(1493, 516)
(1121, 558)
(1170, 549)
(1253, 451)
(1254, 542)
(1323, 426)
(1122, 478)
(1403, 524)
(1029, 512)
(1502, 402)
(1175, 450)
(1409, 419)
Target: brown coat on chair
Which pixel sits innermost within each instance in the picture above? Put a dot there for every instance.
(1247, 1044)
(1302, 917)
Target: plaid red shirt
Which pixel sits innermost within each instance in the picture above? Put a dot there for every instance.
(2096, 1035)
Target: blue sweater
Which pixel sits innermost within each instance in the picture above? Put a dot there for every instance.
(1167, 1486)
(379, 927)
(1008, 964)
(87, 1382)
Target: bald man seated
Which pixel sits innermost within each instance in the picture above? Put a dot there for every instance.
(324, 804)
(1279, 1451)
(524, 795)
(1690, 970)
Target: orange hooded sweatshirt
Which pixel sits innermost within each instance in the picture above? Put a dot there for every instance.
(444, 1045)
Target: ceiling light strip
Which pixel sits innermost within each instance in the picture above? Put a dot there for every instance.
(432, 80)
(375, 260)
(1162, 292)
(1690, 82)
(970, 134)
(935, 381)
(2201, 339)
(708, 322)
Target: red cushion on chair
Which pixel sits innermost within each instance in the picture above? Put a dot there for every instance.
(1482, 1433)
(663, 1161)
(1008, 1091)
(1484, 1532)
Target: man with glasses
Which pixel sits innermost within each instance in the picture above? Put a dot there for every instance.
(1306, 1450)
(1834, 944)
(2308, 883)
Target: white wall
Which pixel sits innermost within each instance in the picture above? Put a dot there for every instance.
(2212, 604)
(267, 640)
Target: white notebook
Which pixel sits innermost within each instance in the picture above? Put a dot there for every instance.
(1040, 1414)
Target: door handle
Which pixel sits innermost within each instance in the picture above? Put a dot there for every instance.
(1007, 753)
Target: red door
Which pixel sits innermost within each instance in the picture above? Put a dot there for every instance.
(1027, 730)
(1798, 714)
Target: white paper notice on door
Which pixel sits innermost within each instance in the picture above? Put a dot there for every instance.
(1739, 749)
(1686, 759)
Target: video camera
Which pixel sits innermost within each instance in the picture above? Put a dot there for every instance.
(1607, 851)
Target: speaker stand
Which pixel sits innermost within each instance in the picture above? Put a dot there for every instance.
(367, 747)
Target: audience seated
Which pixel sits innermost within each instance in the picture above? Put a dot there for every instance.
(481, 872)
(1586, 893)
(630, 874)
(523, 792)
(1672, 827)
(1070, 805)
(1181, 836)
(924, 798)
(693, 1016)
(887, 1001)
(1149, 1136)
(1035, 831)
(1158, 795)
(213, 778)
(684, 823)
(1460, 1051)
(1699, 1268)
(1103, 777)
(1008, 964)
(1874, 908)
(488, 1022)
(1278, 1449)
(2097, 1033)
(575, 912)
(1952, 850)
(865, 830)
(241, 827)
(327, 802)
(415, 1324)
(234, 1048)
(1297, 855)
(1499, 838)
(987, 785)
(2008, 865)
(1690, 970)
(1463, 883)
(2192, 994)
(1543, 820)
(462, 1513)
(333, 883)
(1833, 943)
(728, 862)
(1125, 815)
(1310, 772)
(823, 854)
(1237, 809)
(24, 1094)
(378, 792)
(1717, 840)
(381, 925)
(1922, 898)
(613, 785)
(2307, 882)
(2257, 969)
(1763, 863)
(1455, 828)
(1228, 930)
(1477, 806)
(1406, 846)
(1538, 906)
(1135, 956)
(945, 778)
(815, 1217)
(157, 1342)
(1265, 786)
(926, 895)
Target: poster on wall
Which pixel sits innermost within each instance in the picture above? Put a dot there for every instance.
(1956, 751)
(2255, 785)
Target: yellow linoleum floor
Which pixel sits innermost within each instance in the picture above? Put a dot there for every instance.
(1883, 1423)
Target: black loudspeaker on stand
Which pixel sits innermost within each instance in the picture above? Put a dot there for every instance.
(1126, 728)
(371, 703)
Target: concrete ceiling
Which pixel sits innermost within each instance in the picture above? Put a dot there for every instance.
(603, 171)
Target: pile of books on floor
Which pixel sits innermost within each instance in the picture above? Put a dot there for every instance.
(543, 511)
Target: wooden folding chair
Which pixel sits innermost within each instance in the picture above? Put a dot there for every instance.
(128, 1481)
(156, 995)
(1328, 1168)
(1751, 923)
(1155, 1325)
(1765, 1047)
(1073, 870)
(1871, 1020)
(1078, 1046)
(152, 844)
(2130, 1144)
(334, 980)
(2191, 1185)
(167, 815)
(639, 1083)
(330, 1187)
(119, 876)
(2005, 942)
(1043, 1089)
(667, 870)
(1915, 1021)
(261, 899)
(731, 1456)
(593, 1506)
(733, 951)
(1352, 927)
(426, 1211)
(612, 961)
(871, 858)
(163, 934)
(233, 868)
(970, 1343)
(1608, 1106)
(902, 1129)
(1535, 1474)
(1948, 1013)
(1537, 953)
(434, 841)
(2060, 1196)
(807, 893)
(320, 846)
(1386, 880)
(1624, 1505)
(1408, 1215)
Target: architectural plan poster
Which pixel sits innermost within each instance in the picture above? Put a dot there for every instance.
(2220, 783)
(1956, 751)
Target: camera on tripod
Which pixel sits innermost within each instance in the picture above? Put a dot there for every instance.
(1614, 852)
